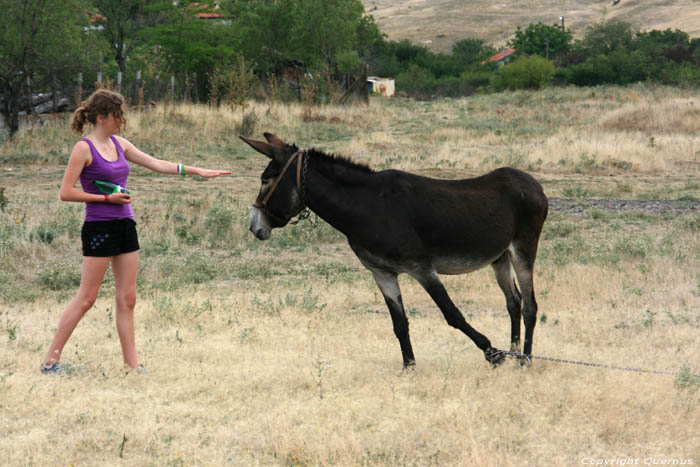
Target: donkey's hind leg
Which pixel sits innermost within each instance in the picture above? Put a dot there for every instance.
(432, 284)
(504, 276)
(523, 263)
(389, 285)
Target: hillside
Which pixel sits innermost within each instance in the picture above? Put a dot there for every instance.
(439, 23)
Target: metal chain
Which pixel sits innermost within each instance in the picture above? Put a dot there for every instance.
(306, 212)
(527, 358)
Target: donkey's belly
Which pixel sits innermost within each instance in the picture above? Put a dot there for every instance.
(461, 265)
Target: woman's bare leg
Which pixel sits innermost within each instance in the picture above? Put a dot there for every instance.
(125, 270)
(93, 272)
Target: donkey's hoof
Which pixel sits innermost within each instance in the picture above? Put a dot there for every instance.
(409, 365)
(524, 360)
(494, 356)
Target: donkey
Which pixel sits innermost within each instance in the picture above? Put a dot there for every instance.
(397, 222)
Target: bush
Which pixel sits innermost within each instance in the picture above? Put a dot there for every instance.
(683, 74)
(416, 81)
(476, 79)
(532, 72)
(60, 276)
(619, 67)
(219, 224)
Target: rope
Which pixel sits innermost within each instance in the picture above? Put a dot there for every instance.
(528, 358)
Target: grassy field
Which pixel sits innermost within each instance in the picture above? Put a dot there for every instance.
(437, 24)
(282, 352)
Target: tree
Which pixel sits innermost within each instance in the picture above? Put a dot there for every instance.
(261, 32)
(605, 37)
(664, 45)
(324, 37)
(325, 28)
(42, 41)
(540, 39)
(125, 21)
(471, 50)
(189, 44)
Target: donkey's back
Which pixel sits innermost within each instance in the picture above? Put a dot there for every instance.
(461, 224)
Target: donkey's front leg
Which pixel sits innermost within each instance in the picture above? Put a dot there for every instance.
(389, 285)
(432, 284)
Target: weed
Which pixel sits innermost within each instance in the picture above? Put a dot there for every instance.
(43, 234)
(648, 320)
(59, 276)
(633, 248)
(413, 311)
(576, 192)
(320, 369)
(11, 329)
(248, 124)
(558, 226)
(218, 223)
(687, 380)
(3, 200)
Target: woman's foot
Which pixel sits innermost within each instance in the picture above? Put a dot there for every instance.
(55, 369)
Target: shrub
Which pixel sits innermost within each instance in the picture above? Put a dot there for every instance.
(60, 276)
(219, 224)
(416, 81)
(532, 72)
(475, 79)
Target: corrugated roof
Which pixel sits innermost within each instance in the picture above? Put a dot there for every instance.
(505, 53)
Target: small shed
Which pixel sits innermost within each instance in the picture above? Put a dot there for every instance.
(382, 86)
(503, 56)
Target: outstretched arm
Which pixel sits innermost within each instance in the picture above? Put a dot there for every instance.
(135, 155)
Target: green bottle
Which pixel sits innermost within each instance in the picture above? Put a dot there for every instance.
(108, 187)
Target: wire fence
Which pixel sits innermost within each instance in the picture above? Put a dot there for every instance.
(141, 89)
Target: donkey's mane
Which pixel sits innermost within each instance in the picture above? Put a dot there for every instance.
(340, 160)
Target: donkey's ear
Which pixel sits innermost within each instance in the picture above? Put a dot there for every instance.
(272, 139)
(270, 150)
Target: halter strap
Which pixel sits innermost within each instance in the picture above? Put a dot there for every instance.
(297, 155)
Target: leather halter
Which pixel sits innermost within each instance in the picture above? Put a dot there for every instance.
(262, 204)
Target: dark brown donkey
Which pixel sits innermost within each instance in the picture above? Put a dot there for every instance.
(397, 222)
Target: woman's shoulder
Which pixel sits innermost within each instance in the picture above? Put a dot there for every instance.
(82, 147)
(81, 151)
(123, 142)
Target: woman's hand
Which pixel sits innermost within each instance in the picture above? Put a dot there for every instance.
(119, 198)
(206, 173)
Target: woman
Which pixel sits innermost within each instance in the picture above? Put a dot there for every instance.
(109, 232)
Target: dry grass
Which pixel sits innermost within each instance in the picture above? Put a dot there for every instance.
(439, 23)
(282, 353)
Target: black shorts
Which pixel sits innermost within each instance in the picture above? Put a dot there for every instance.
(109, 238)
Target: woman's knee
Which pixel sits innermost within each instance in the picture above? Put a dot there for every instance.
(85, 301)
(126, 300)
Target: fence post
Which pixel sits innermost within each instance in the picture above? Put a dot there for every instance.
(138, 97)
(54, 93)
(98, 84)
(29, 97)
(119, 81)
(79, 91)
(194, 83)
(156, 88)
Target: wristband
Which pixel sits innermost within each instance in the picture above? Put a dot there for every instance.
(181, 169)
(106, 198)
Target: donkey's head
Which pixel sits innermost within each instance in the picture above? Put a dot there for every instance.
(280, 196)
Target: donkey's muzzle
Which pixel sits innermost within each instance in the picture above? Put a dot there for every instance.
(259, 224)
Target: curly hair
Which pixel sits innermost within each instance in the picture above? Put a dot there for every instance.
(102, 102)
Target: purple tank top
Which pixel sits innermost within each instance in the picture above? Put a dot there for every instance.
(102, 169)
